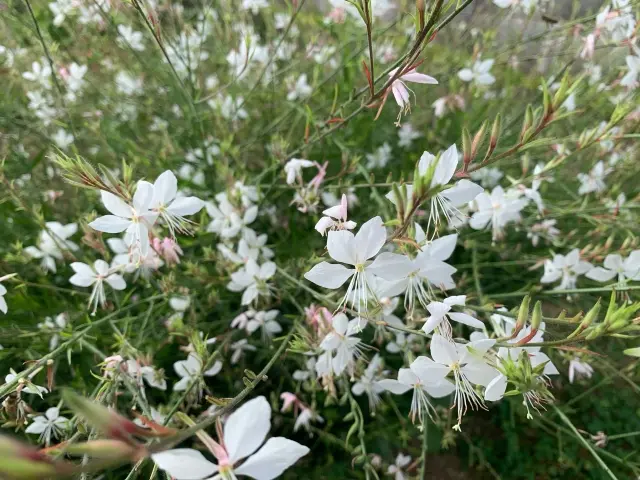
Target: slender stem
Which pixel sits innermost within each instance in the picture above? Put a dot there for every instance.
(9, 386)
(587, 445)
(425, 448)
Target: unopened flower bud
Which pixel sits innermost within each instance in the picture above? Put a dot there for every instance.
(588, 319)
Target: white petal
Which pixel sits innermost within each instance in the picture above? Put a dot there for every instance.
(272, 459)
(185, 206)
(439, 390)
(115, 205)
(246, 428)
(443, 351)
(496, 388)
(462, 192)
(329, 275)
(38, 426)
(342, 246)
(370, 239)
(185, 464)
(116, 281)
(394, 386)
(429, 371)
(391, 266)
(466, 319)
(446, 166)
(143, 196)
(110, 224)
(600, 274)
(442, 248)
(465, 74)
(165, 189)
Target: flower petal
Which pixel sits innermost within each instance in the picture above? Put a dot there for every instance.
(329, 275)
(110, 224)
(272, 459)
(115, 205)
(246, 428)
(342, 246)
(370, 239)
(185, 206)
(185, 464)
(391, 266)
(165, 189)
(394, 386)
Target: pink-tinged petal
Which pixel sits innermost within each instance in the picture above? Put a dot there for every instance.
(443, 351)
(336, 212)
(342, 246)
(324, 224)
(185, 464)
(185, 206)
(600, 274)
(115, 204)
(415, 77)
(246, 428)
(466, 75)
(496, 388)
(165, 189)
(370, 239)
(329, 275)
(391, 266)
(116, 281)
(110, 224)
(462, 192)
(143, 196)
(439, 390)
(397, 94)
(428, 371)
(272, 459)
(394, 386)
(466, 319)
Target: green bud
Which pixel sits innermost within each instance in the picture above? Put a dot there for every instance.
(523, 315)
(536, 318)
(588, 319)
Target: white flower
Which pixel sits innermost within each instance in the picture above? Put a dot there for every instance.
(60, 10)
(169, 206)
(406, 135)
(497, 208)
(630, 80)
(54, 327)
(254, 5)
(380, 157)
(227, 221)
(478, 73)
(252, 280)
(305, 418)
(244, 431)
(397, 469)
(190, 370)
(447, 201)
(594, 180)
(40, 73)
(3, 302)
(420, 378)
(266, 322)
(133, 219)
(85, 276)
(293, 169)
(128, 84)
(469, 368)
(75, 77)
(129, 36)
(239, 348)
(28, 386)
(343, 342)
(401, 91)
(62, 139)
(302, 375)
(440, 314)
(50, 243)
(545, 229)
(614, 265)
(153, 377)
(567, 268)
(488, 177)
(579, 369)
(336, 218)
(356, 250)
(428, 270)
(51, 424)
(368, 382)
(301, 89)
